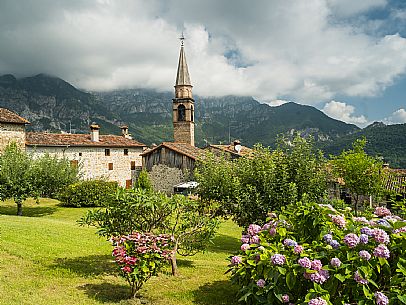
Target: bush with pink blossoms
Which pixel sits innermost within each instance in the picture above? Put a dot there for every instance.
(361, 262)
(140, 256)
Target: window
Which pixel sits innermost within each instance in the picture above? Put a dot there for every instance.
(74, 163)
(181, 113)
(110, 166)
(80, 154)
(133, 165)
(125, 152)
(107, 152)
(128, 184)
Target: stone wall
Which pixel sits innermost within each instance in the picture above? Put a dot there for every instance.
(184, 132)
(12, 132)
(95, 164)
(164, 178)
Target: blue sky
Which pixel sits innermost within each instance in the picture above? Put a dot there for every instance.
(345, 57)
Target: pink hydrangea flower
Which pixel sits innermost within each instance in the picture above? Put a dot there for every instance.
(380, 236)
(317, 301)
(316, 265)
(298, 249)
(381, 299)
(278, 259)
(245, 247)
(382, 251)
(400, 230)
(126, 269)
(335, 262)
(255, 239)
(305, 262)
(364, 255)
(245, 239)
(382, 211)
(272, 231)
(235, 260)
(351, 240)
(359, 279)
(261, 283)
(254, 229)
(285, 298)
(338, 220)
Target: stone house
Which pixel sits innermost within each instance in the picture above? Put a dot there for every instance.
(113, 157)
(12, 128)
(234, 150)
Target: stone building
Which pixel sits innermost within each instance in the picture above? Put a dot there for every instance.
(113, 157)
(234, 150)
(12, 128)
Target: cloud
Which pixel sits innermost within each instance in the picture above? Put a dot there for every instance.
(343, 112)
(397, 117)
(302, 50)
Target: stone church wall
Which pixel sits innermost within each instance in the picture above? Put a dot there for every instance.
(12, 132)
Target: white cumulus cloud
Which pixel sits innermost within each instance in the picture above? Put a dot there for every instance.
(397, 117)
(344, 112)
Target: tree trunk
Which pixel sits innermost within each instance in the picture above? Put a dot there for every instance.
(19, 209)
(173, 261)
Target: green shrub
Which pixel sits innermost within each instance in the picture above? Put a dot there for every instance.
(88, 193)
(315, 254)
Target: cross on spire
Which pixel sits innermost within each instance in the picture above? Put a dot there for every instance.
(182, 38)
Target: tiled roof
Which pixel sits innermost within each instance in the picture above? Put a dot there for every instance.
(58, 139)
(396, 181)
(7, 116)
(182, 148)
(245, 151)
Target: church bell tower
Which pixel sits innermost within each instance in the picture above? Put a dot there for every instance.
(183, 103)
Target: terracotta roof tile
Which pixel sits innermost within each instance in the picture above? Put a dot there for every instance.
(396, 181)
(182, 148)
(58, 139)
(245, 151)
(7, 116)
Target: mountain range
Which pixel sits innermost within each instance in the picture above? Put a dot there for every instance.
(52, 104)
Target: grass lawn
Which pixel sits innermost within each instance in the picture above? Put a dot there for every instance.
(46, 258)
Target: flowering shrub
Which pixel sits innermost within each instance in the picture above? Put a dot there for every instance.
(140, 256)
(314, 254)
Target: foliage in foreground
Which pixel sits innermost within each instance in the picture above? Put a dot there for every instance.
(190, 223)
(314, 254)
(248, 188)
(88, 193)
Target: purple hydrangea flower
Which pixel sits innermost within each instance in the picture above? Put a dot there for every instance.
(328, 238)
(382, 251)
(298, 249)
(305, 262)
(289, 242)
(255, 239)
(359, 279)
(319, 277)
(245, 247)
(366, 230)
(351, 240)
(272, 231)
(245, 239)
(318, 301)
(335, 244)
(380, 236)
(381, 299)
(363, 239)
(382, 211)
(235, 260)
(285, 298)
(278, 259)
(335, 262)
(400, 230)
(384, 223)
(261, 283)
(316, 265)
(253, 229)
(364, 255)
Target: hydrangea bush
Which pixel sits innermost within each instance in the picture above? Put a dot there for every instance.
(140, 256)
(314, 254)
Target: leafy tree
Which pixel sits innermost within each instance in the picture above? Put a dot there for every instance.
(248, 188)
(16, 176)
(143, 181)
(53, 174)
(190, 223)
(362, 174)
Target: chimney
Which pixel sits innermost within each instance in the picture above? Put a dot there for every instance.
(237, 146)
(124, 132)
(94, 132)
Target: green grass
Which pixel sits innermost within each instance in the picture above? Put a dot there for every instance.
(46, 258)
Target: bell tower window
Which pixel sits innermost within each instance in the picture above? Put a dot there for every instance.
(191, 113)
(181, 113)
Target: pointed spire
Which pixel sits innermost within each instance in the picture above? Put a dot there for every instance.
(182, 77)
